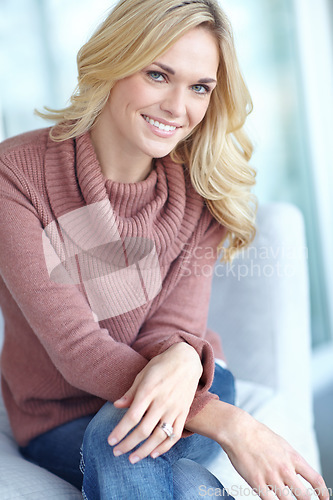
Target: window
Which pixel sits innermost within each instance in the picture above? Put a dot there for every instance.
(283, 64)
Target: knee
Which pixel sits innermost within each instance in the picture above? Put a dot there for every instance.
(101, 426)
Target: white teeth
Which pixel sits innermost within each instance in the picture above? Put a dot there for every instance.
(161, 126)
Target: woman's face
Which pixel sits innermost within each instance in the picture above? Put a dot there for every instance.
(149, 112)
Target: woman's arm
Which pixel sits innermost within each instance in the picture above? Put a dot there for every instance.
(182, 315)
(173, 338)
(58, 314)
(260, 456)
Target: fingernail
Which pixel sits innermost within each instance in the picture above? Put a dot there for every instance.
(155, 454)
(112, 441)
(134, 460)
(117, 453)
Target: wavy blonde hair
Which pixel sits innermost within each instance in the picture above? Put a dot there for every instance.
(217, 152)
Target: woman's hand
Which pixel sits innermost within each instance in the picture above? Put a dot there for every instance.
(162, 392)
(268, 463)
(265, 460)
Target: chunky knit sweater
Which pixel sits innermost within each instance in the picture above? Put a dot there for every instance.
(96, 278)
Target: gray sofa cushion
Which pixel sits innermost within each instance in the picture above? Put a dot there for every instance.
(22, 479)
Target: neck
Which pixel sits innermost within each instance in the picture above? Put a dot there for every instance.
(116, 163)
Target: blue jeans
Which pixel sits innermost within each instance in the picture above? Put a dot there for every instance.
(178, 474)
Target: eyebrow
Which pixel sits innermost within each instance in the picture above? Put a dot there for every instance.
(172, 72)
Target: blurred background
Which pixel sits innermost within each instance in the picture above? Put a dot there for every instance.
(285, 48)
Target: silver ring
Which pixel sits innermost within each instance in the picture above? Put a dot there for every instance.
(168, 429)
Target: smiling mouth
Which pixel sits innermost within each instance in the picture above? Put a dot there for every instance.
(160, 126)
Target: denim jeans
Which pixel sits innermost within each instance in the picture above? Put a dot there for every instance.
(78, 452)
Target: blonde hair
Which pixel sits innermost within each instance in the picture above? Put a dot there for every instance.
(217, 152)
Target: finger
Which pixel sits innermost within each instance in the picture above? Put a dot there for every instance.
(152, 438)
(314, 478)
(282, 491)
(167, 444)
(299, 490)
(157, 437)
(265, 492)
(142, 432)
(130, 420)
(127, 398)
(124, 402)
(286, 494)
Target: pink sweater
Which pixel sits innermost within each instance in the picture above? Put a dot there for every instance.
(75, 336)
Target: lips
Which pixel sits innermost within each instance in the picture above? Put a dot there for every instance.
(161, 126)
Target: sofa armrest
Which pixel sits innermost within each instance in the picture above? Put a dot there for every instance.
(260, 303)
(261, 309)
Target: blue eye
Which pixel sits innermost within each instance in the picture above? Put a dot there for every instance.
(201, 89)
(156, 76)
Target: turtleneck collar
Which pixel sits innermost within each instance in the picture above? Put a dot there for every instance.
(164, 206)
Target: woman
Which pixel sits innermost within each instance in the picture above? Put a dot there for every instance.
(106, 219)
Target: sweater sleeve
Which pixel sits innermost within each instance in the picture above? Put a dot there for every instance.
(84, 353)
(182, 317)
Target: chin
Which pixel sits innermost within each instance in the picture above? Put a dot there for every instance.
(161, 152)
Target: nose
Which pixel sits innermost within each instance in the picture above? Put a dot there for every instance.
(174, 102)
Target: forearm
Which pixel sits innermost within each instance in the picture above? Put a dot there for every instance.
(214, 421)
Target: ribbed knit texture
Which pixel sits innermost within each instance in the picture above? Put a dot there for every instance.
(59, 360)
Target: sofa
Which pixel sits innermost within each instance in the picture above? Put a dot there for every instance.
(260, 307)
